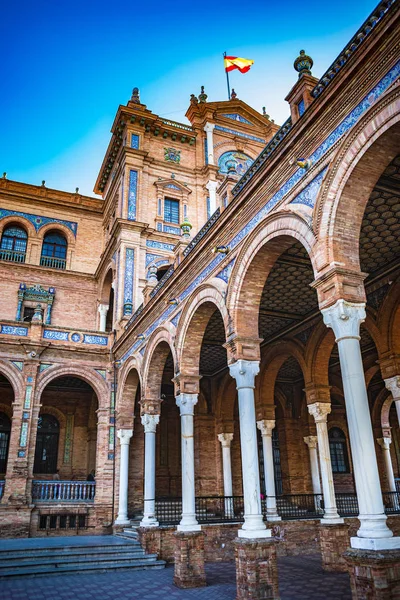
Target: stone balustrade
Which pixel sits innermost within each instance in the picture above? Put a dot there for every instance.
(63, 491)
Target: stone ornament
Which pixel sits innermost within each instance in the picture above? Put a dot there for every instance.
(186, 403)
(172, 155)
(150, 422)
(225, 439)
(244, 371)
(320, 411)
(345, 318)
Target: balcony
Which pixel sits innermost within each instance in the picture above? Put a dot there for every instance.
(52, 262)
(12, 256)
(63, 491)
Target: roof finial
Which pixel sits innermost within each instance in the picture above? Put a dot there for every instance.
(202, 96)
(193, 99)
(303, 64)
(135, 98)
(233, 94)
(265, 113)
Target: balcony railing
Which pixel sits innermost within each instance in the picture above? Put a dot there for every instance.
(12, 256)
(52, 262)
(2, 484)
(230, 509)
(63, 491)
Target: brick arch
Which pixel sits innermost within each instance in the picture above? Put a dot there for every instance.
(318, 353)
(357, 165)
(97, 383)
(105, 284)
(15, 378)
(129, 381)
(160, 344)
(54, 412)
(255, 261)
(275, 357)
(194, 320)
(18, 220)
(63, 229)
(385, 407)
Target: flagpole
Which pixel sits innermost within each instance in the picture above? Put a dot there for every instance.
(227, 80)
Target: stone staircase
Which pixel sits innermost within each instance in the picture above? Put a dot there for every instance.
(35, 557)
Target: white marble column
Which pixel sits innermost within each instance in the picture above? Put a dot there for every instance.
(124, 436)
(393, 385)
(103, 310)
(212, 190)
(186, 404)
(149, 423)
(345, 319)
(384, 443)
(209, 128)
(266, 426)
(245, 371)
(311, 442)
(320, 411)
(226, 439)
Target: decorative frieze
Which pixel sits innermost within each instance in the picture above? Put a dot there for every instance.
(38, 221)
(66, 336)
(132, 195)
(160, 245)
(128, 281)
(241, 134)
(11, 330)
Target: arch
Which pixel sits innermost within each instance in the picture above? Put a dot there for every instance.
(14, 243)
(54, 249)
(388, 318)
(255, 261)
(5, 433)
(100, 387)
(160, 344)
(362, 156)
(19, 221)
(194, 319)
(15, 379)
(60, 229)
(385, 412)
(225, 403)
(318, 353)
(129, 383)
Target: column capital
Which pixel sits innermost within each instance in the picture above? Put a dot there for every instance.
(150, 422)
(311, 441)
(124, 436)
(186, 384)
(266, 426)
(244, 371)
(103, 309)
(320, 411)
(225, 439)
(384, 442)
(345, 318)
(186, 403)
(393, 385)
(212, 186)
(209, 127)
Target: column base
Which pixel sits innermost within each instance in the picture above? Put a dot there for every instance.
(189, 559)
(273, 518)
(149, 522)
(125, 522)
(332, 521)
(334, 540)
(254, 534)
(188, 528)
(391, 543)
(374, 575)
(256, 569)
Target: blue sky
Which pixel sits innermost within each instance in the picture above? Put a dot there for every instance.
(66, 66)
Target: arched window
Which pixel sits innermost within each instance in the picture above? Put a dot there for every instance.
(13, 244)
(338, 449)
(46, 451)
(54, 250)
(5, 429)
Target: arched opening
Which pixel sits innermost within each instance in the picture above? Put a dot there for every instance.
(66, 440)
(6, 403)
(13, 244)
(161, 271)
(5, 431)
(54, 250)
(107, 300)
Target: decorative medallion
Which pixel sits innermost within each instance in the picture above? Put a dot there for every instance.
(172, 155)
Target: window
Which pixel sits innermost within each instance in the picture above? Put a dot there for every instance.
(5, 429)
(13, 244)
(135, 141)
(171, 210)
(46, 451)
(28, 314)
(301, 108)
(338, 449)
(54, 250)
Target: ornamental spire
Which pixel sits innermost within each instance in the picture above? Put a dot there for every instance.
(303, 64)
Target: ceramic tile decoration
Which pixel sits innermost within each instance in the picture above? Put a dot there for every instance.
(239, 160)
(240, 134)
(175, 319)
(159, 245)
(11, 330)
(172, 186)
(309, 195)
(18, 364)
(101, 372)
(172, 155)
(68, 439)
(151, 258)
(24, 435)
(60, 336)
(99, 340)
(205, 151)
(44, 366)
(301, 108)
(76, 337)
(28, 396)
(237, 117)
(226, 271)
(135, 141)
(132, 195)
(128, 280)
(39, 221)
(170, 229)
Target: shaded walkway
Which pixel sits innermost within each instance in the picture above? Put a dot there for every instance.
(300, 578)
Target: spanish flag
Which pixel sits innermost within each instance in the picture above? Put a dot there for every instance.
(234, 62)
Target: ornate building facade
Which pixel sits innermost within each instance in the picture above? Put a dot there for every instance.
(233, 376)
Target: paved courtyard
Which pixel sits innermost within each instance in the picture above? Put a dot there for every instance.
(300, 578)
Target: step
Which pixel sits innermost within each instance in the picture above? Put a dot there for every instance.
(75, 551)
(59, 562)
(81, 557)
(89, 568)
